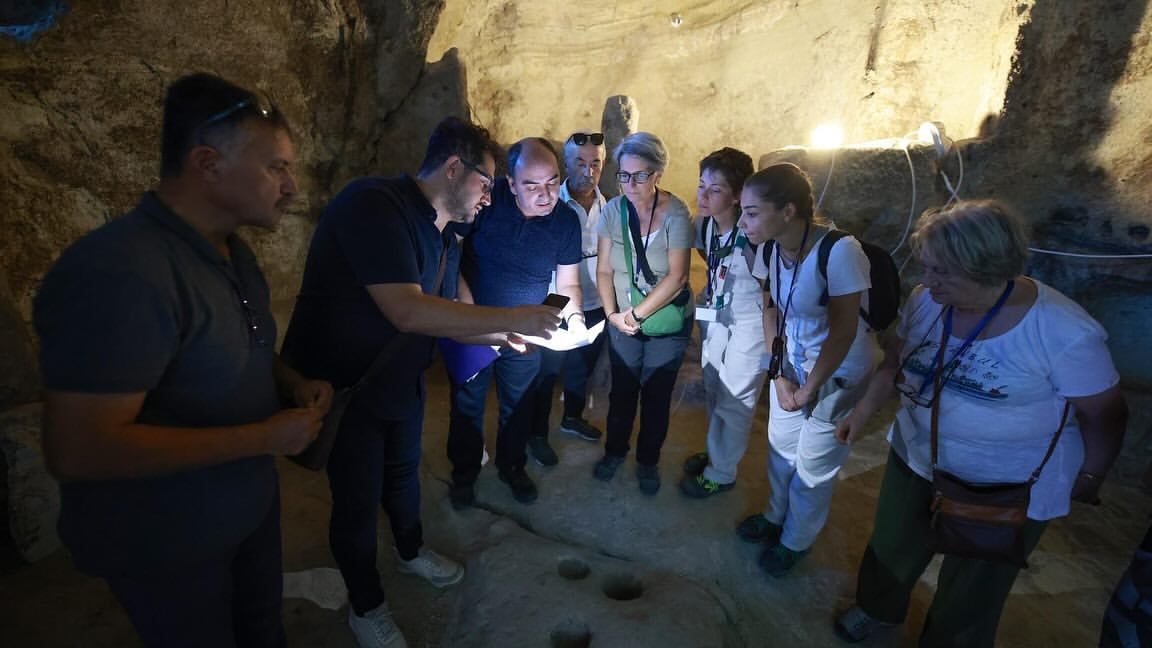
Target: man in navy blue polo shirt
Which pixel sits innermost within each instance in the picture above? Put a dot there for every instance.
(380, 278)
(518, 241)
(163, 390)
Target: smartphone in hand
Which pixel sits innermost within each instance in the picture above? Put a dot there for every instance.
(556, 301)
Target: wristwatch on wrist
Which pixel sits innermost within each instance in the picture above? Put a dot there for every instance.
(636, 316)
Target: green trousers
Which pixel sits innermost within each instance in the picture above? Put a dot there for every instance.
(970, 594)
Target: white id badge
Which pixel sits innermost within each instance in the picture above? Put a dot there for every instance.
(705, 313)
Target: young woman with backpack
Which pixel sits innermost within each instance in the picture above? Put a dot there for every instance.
(822, 356)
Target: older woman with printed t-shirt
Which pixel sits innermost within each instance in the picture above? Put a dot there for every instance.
(998, 356)
(645, 244)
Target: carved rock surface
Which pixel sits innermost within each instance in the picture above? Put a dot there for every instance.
(33, 495)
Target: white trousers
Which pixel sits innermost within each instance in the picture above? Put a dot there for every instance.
(732, 382)
(804, 459)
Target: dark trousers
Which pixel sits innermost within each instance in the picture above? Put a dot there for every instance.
(574, 368)
(374, 463)
(643, 373)
(515, 373)
(232, 601)
(970, 594)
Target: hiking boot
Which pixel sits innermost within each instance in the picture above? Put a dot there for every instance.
(856, 625)
(778, 560)
(432, 567)
(376, 629)
(605, 469)
(577, 426)
(757, 528)
(462, 497)
(542, 451)
(701, 487)
(696, 463)
(649, 479)
(523, 488)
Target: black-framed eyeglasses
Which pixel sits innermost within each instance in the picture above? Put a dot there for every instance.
(254, 321)
(580, 139)
(918, 395)
(639, 176)
(489, 181)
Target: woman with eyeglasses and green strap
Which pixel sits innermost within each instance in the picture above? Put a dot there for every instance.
(645, 244)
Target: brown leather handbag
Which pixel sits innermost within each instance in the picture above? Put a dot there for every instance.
(981, 520)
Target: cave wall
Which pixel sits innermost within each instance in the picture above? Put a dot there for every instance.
(81, 100)
(1046, 99)
(756, 75)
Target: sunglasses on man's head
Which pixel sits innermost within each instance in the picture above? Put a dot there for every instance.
(580, 139)
(260, 106)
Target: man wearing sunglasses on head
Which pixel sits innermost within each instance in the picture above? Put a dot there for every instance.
(524, 236)
(583, 161)
(378, 287)
(163, 389)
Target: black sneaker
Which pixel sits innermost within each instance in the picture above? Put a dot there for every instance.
(778, 560)
(757, 528)
(523, 488)
(462, 497)
(542, 451)
(701, 487)
(856, 625)
(577, 426)
(649, 479)
(696, 463)
(605, 469)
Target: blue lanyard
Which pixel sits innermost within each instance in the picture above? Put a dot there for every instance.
(937, 366)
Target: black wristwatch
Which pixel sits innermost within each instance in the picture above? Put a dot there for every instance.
(636, 316)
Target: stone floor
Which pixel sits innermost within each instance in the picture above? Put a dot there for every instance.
(602, 560)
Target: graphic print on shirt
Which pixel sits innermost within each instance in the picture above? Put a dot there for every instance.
(972, 374)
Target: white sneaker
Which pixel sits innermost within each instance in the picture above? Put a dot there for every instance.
(376, 629)
(432, 567)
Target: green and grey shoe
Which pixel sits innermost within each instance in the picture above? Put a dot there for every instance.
(701, 487)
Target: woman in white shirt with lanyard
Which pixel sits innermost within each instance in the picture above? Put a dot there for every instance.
(732, 330)
(822, 358)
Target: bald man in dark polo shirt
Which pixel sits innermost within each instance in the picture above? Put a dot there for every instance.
(518, 241)
(163, 401)
(381, 277)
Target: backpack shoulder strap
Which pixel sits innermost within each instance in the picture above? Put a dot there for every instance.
(766, 254)
(822, 254)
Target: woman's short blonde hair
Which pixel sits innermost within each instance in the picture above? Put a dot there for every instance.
(982, 239)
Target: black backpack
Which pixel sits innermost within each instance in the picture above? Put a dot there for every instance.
(883, 296)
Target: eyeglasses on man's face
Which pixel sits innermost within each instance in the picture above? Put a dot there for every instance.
(580, 139)
(640, 177)
(489, 181)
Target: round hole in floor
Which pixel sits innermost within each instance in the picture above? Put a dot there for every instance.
(573, 633)
(623, 587)
(573, 568)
